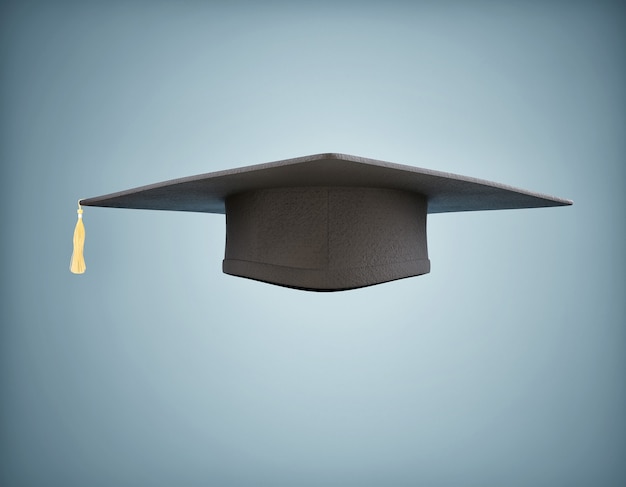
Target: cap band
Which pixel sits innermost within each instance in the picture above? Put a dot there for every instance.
(326, 238)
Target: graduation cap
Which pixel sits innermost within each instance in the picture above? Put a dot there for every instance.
(325, 222)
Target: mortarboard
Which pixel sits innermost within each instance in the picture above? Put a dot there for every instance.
(325, 222)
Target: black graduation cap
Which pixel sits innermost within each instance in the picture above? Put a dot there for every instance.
(325, 222)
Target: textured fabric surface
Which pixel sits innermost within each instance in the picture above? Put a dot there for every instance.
(326, 238)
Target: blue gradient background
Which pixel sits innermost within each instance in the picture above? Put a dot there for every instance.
(504, 366)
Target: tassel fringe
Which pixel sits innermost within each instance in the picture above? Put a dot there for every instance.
(77, 264)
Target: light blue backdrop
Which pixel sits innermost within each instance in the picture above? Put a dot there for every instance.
(504, 366)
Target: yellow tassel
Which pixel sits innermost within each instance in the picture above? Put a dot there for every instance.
(77, 264)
